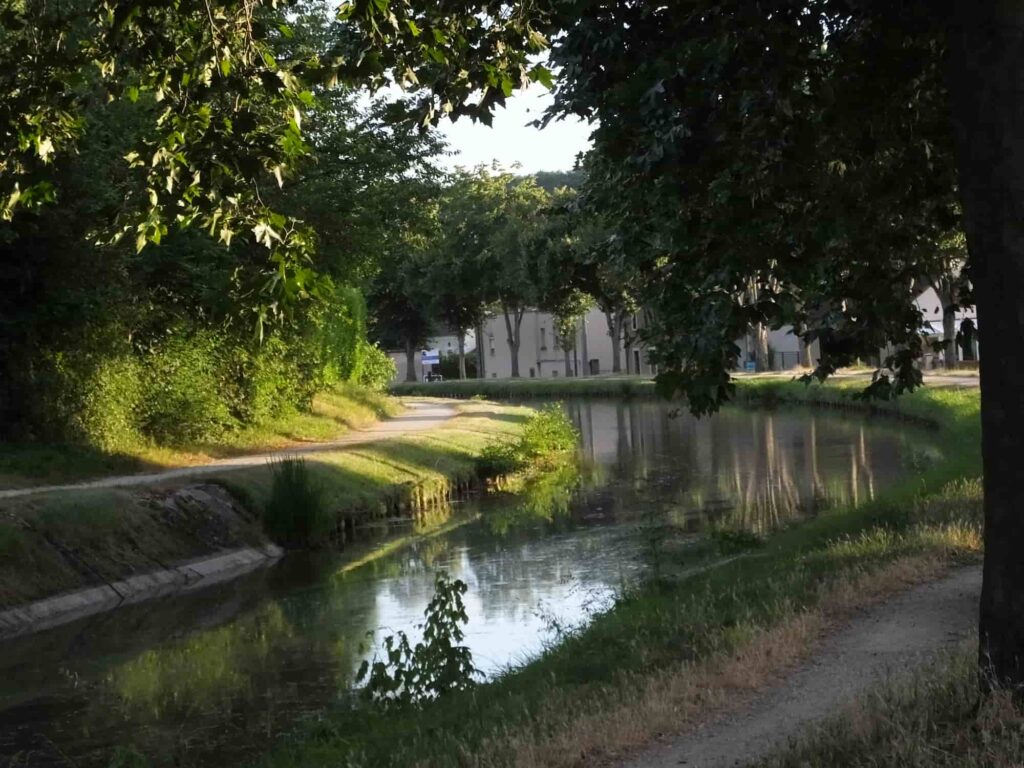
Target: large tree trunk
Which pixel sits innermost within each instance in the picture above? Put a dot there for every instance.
(987, 78)
(481, 366)
(615, 332)
(949, 336)
(410, 361)
(584, 349)
(761, 354)
(566, 349)
(513, 322)
(462, 355)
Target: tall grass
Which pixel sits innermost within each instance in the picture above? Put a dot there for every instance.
(296, 513)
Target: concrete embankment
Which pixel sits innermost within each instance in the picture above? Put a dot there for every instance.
(71, 606)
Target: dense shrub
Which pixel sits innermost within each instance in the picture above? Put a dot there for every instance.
(184, 395)
(449, 366)
(111, 403)
(192, 385)
(377, 370)
(296, 514)
(264, 382)
(547, 438)
(329, 342)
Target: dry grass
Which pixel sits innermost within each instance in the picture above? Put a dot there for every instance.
(934, 717)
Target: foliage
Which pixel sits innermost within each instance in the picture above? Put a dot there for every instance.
(546, 439)
(378, 370)
(106, 411)
(296, 513)
(449, 366)
(436, 666)
(183, 400)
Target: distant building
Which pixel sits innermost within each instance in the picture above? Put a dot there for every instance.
(444, 345)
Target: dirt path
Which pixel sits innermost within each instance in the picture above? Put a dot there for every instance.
(891, 637)
(419, 417)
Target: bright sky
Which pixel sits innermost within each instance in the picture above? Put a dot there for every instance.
(510, 140)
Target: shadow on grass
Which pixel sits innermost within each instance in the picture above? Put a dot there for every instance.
(24, 465)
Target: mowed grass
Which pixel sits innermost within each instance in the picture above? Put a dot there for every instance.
(672, 651)
(332, 415)
(410, 471)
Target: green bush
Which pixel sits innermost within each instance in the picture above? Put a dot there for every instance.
(329, 341)
(436, 667)
(265, 382)
(547, 438)
(378, 370)
(296, 514)
(184, 395)
(108, 416)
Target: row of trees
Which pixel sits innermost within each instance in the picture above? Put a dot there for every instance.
(497, 244)
(109, 341)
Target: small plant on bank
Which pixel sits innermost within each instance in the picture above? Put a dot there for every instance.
(734, 541)
(436, 666)
(548, 437)
(296, 514)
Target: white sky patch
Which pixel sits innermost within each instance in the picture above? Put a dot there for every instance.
(511, 140)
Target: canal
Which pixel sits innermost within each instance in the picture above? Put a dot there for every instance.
(210, 678)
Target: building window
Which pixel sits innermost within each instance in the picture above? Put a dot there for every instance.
(633, 321)
(555, 373)
(543, 338)
(636, 361)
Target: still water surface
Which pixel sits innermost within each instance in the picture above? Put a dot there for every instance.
(211, 678)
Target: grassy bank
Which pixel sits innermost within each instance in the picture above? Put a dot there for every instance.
(54, 542)
(933, 717)
(673, 650)
(333, 413)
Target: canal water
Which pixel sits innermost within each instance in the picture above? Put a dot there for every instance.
(211, 678)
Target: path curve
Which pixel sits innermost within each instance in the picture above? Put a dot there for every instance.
(889, 638)
(418, 417)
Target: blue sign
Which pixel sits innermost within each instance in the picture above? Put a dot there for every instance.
(430, 356)
(750, 366)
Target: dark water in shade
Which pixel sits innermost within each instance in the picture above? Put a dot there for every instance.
(211, 678)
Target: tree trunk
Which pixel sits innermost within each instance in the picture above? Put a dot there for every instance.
(410, 361)
(949, 333)
(584, 349)
(805, 354)
(615, 332)
(513, 322)
(566, 349)
(986, 66)
(761, 353)
(481, 366)
(462, 355)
